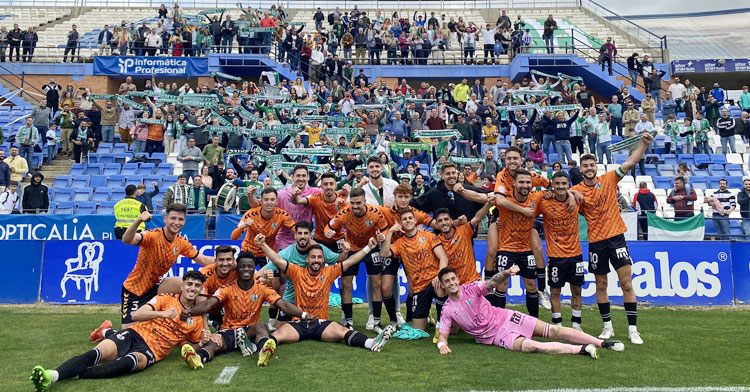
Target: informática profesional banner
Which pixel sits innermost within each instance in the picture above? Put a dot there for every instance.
(147, 66)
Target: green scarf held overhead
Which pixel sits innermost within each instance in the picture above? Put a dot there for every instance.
(411, 146)
(348, 132)
(535, 72)
(126, 101)
(440, 148)
(150, 121)
(213, 11)
(437, 133)
(108, 97)
(317, 152)
(244, 113)
(466, 161)
(454, 110)
(346, 151)
(225, 76)
(291, 165)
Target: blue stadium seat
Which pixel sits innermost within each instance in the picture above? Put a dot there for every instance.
(116, 181)
(36, 160)
(553, 157)
(105, 148)
(616, 138)
(687, 158)
(62, 181)
(98, 181)
(701, 158)
(663, 182)
(106, 158)
(713, 181)
(716, 170)
(134, 179)
(81, 181)
(666, 170)
(63, 194)
(129, 168)
(149, 178)
(117, 138)
(159, 197)
(167, 168)
(734, 170)
(157, 205)
(651, 170)
(106, 208)
(146, 168)
(117, 194)
(93, 157)
(120, 148)
(699, 183)
(619, 158)
(83, 194)
(734, 182)
(157, 157)
(66, 207)
(78, 168)
(86, 208)
(710, 227)
(169, 180)
(650, 157)
(718, 158)
(102, 194)
(94, 169)
(669, 159)
(699, 172)
(112, 168)
(122, 157)
(52, 205)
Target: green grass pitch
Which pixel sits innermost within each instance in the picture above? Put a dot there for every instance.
(683, 348)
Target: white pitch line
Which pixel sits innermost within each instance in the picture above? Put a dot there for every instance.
(641, 389)
(225, 377)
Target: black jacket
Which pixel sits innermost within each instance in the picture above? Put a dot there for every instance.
(575, 176)
(653, 82)
(35, 197)
(439, 197)
(102, 34)
(726, 126)
(145, 198)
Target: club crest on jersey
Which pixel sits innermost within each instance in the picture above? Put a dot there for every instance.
(254, 297)
(190, 321)
(598, 185)
(368, 223)
(174, 250)
(273, 225)
(454, 241)
(320, 279)
(422, 239)
(468, 302)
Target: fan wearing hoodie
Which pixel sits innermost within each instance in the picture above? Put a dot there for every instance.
(35, 196)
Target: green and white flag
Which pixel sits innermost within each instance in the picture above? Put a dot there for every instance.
(246, 114)
(437, 133)
(263, 97)
(265, 133)
(409, 145)
(286, 127)
(220, 129)
(318, 152)
(202, 100)
(557, 108)
(272, 76)
(691, 229)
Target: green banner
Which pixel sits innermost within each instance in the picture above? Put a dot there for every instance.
(522, 107)
(151, 121)
(223, 120)
(564, 76)
(133, 104)
(466, 161)
(213, 11)
(331, 119)
(135, 94)
(437, 133)
(225, 76)
(537, 93)
(411, 146)
(318, 152)
(297, 23)
(419, 100)
(454, 110)
(341, 131)
(108, 97)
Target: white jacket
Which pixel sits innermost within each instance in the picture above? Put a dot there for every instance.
(8, 202)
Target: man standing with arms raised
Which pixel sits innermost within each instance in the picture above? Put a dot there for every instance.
(606, 240)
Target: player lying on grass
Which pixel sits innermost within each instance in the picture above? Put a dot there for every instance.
(133, 349)
(312, 287)
(467, 307)
(241, 328)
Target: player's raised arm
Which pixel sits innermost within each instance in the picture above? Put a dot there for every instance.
(636, 155)
(292, 310)
(477, 219)
(148, 312)
(385, 247)
(470, 195)
(241, 227)
(501, 277)
(441, 255)
(131, 237)
(296, 199)
(274, 257)
(357, 257)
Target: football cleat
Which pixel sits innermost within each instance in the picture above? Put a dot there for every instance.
(607, 333)
(271, 325)
(383, 338)
(400, 319)
(266, 353)
(41, 379)
(591, 350)
(243, 343)
(614, 345)
(635, 337)
(97, 335)
(370, 326)
(544, 300)
(191, 358)
(378, 328)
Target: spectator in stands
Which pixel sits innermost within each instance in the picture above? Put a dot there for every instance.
(177, 193)
(603, 139)
(719, 93)
(643, 202)
(535, 153)
(653, 85)
(585, 98)
(145, 197)
(82, 138)
(66, 120)
(318, 18)
(9, 199)
(630, 118)
(722, 203)
(126, 86)
(30, 38)
(669, 105)
(469, 41)
(489, 166)
(5, 172)
(152, 43)
(575, 173)
(614, 111)
(743, 127)
(488, 40)
(35, 196)
(648, 106)
(50, 145)
(52, 92)
(108, 120)
(682, 197)
(71, 45)
(139, 135)
(104, 40)
(41, 116)
(503, 21)
(677, 90)
(692, 107)
(3, 43)
(607, 53)
(14, 41)
(228, 31)
(550, 25)
(28, 137)
(744, 97)
(726, 125)
(634, 69)
(701, 128)
(213, 153)
(743, 199)
(167, 39)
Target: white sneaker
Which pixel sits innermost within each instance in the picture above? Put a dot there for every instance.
(606, 333)
(578, 328)
(400, 319)
(614, 345)
(377, 328)
(370, 323)
(544, 300)
(635, 337)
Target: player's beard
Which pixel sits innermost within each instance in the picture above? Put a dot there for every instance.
(303, 243)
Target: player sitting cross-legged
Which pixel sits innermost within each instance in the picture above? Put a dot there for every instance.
(467, 307)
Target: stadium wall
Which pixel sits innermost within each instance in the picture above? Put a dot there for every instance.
(91, 271)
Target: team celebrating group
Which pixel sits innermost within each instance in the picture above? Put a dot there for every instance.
(301, 239)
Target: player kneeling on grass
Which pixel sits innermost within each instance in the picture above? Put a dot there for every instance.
(312, 287)
(467, 307)
(133, 349)
(241, 328)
